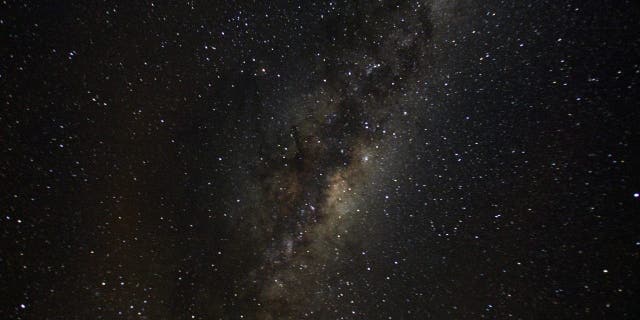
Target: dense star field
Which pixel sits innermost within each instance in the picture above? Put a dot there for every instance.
(423, 159)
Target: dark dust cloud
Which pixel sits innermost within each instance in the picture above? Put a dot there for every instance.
(319, 160)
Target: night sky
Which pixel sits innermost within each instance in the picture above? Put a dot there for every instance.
(423, 159)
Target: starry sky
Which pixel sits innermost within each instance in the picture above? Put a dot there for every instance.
(422, 159)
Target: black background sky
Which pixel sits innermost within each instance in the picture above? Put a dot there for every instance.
(319, 160)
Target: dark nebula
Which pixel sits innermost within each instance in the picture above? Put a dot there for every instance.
(422, 159)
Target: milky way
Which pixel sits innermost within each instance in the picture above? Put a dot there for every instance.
(424, 159)
(334, 148)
